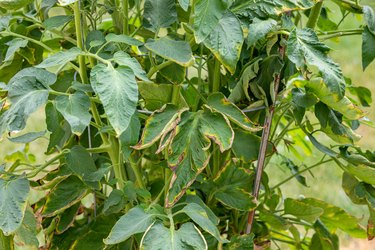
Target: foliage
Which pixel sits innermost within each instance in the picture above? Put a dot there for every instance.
(162, 114)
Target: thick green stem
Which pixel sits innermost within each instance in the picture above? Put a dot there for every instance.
(117, 164)
(216, 77)
(36, 171)
(175, 94)
(156, 68)
(125, 7)
(137, 172)
(81, 59)
(6, 242)
(314, 15)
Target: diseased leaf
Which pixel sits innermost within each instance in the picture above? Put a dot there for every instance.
(13, 200)
(133, 222)
(26, 235)
(123, 39)
(200, 217)
(67, 218)
(304, 47)
(241, 242)
(207, 14)
(221, 104)
(75, 110)
(65, 194)
(159, 14)
(176, 51)
(368, 47)
(225, 41)
(332, 99)
(118, 91)
(60, 58)
(158, 124)
(160, 237)
(187, 154)
(259, 29)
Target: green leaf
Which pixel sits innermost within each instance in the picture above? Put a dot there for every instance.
(157, 95)
(13, 200)
(158, 124)
(241, 242)
(207, 14)
(27, 91)
(302, 210)
(115, 202)
(27, 138)
(14, 46)
(159, 14)
(184, 4)
(200, 217)
(362, 172)
(323, 239)
(302, 99)
(362, 93)
(82, 164)
(176, 51)
(26, 235)
(65, 194)
(187, 150)
(259, 29)
(133, 222)
(56, 21)
(67, 218)
(369, 18)
(118, 91)
(246, 146)
(335, 217)
(174, 73)
(332, 99)
(123, 39)
(305, 47)
(232, 187)
(160, 237)
(124, 59)
(368, 47)
(130, 136)
(221, 104)
(60, 58)
(75, 110)
(225, 41)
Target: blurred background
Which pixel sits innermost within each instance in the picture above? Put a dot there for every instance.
(326, 182)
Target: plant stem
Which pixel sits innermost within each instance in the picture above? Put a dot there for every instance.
(263, 149)
(216, 77)
(137, 173)
(6, 242)
(36, 171)
(339, 34)
(81, 59)
(118, 168)
(156, 68)
(314, 15)
(125, 6)
(300, 172)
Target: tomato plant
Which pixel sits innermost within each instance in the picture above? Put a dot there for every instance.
(162, 115)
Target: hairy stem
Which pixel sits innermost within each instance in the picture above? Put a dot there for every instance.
(314, 15)
(125, 7)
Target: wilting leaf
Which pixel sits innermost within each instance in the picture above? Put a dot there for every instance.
(221, 104)
(160, 237)
(13, 197)
(14, 46)
(200, 217)
(133, 222)
(75, 110)
(118, 91)
(64, 195)
(259, 29)
(60, 58)
(176, 51)
(225, 41)
(27, 91)
(67, 218)
(233, 189)
(26, 235)
(305, 47)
